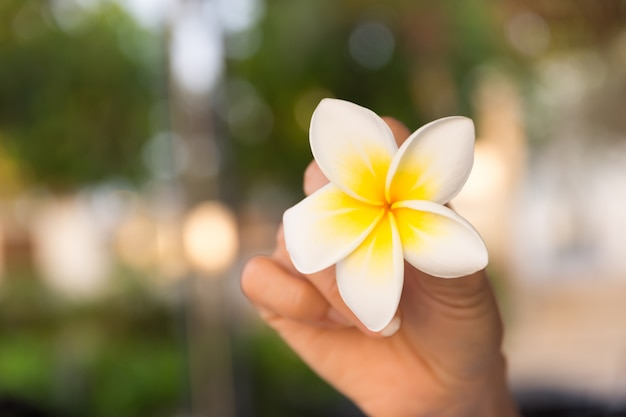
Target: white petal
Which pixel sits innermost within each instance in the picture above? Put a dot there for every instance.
(353, 147)
(325, 227)
(434, 163)
(438, 241)
(370, 279)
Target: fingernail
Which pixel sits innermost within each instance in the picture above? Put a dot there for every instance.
(336, 317)
(392, 327)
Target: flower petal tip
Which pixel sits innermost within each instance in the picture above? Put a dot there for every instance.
(391, 328)
(378, 324)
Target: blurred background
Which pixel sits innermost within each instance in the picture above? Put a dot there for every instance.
(149, 147)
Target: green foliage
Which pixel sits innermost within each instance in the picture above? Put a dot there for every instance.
(24, 366)
(282, 385)
(75, 103)
(120, 356)
(152, 376)
(302, 58)
(304, 55)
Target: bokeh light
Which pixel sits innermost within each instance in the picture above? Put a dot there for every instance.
(70, 249)
(529, 33)
(196, 48)
(371, 44)
(210, 237)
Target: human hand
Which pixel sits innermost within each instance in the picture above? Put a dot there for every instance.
(440, 355)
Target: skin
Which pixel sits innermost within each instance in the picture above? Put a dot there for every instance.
(445, 358)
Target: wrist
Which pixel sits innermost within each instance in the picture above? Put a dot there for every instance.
(488, 396)
(484, 395)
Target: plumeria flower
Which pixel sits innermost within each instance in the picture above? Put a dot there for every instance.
(383, 205)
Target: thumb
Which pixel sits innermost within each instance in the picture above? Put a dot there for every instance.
(450, 294)
(462, 308)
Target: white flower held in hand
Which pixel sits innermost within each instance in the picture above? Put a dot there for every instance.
(383, 205)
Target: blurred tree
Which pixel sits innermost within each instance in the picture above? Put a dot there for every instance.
(76, 92)
(412, 60)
